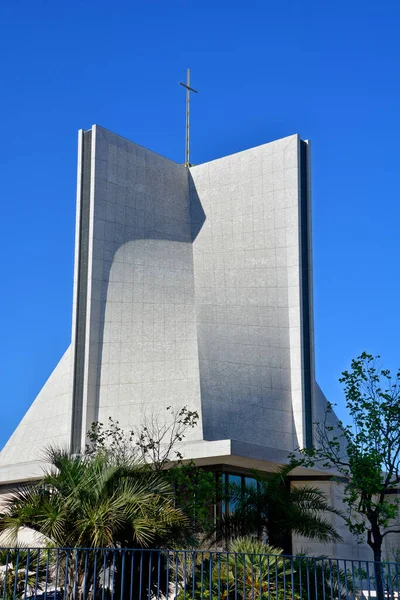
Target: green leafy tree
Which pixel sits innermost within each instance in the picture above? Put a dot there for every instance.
(154, 442)
(274, 510)
(366, 453)
(196, 493)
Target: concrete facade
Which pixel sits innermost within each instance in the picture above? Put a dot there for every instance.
(139, 324)
(191, 287)
(249, 288)
(47, 422)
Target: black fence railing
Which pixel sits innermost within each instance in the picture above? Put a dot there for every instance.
(123, 574)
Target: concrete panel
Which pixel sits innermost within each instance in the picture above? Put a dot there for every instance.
(188, 290)
(142, 343)
(46, 423)
(247, 278)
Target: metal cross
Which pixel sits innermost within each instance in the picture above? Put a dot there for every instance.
(188, 90)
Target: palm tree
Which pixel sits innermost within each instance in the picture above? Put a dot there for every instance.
(272, 510)
(250, 569)
(320, 577)
(93, 502)
(22, 572)
(257, 570)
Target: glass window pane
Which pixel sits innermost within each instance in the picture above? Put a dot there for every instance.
(236, 481)
(224, 491)
(250, 482)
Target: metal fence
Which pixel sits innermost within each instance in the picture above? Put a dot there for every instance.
(123, 574)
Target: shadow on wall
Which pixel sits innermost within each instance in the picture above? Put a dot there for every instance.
(197, 214)
(151, 249)
(243, 331)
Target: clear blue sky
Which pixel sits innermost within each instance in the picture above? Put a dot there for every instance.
(327, 70)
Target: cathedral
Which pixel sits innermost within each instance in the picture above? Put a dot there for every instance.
(192, 287)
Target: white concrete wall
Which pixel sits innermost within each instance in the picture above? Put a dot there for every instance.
(186, 265)
(193, 298)
(141, 336)
(46, 423)
(247, 278)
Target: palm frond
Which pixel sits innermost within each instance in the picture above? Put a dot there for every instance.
(95, 501)
(274, 507)
(312, 499)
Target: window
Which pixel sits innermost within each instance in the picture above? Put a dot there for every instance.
(242, 481)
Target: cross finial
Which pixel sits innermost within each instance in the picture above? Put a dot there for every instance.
(188, 90)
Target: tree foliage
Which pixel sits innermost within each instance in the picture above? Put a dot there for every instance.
(155, 443)
(273, 510)
(22, 571)
(196, 493)
(92, 503)
(96, 502)
(366, 453)
(251, 569)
